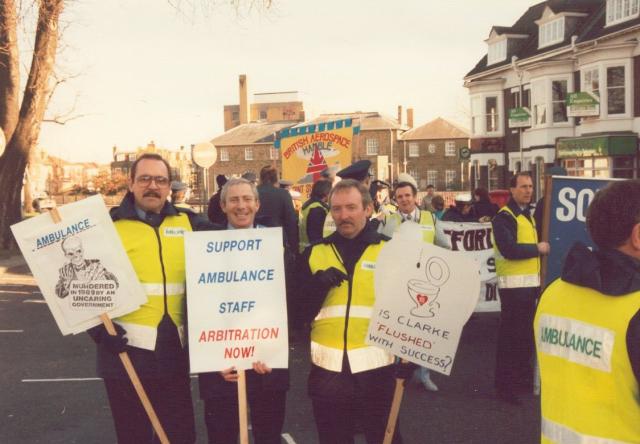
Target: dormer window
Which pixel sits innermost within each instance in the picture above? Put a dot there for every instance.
(619, 11)
(497, 52)
(550, 33)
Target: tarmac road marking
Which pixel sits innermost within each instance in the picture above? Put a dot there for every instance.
(62, 380)
(288, 438)
(11, 331)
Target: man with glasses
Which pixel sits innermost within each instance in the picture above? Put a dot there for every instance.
(151, 230)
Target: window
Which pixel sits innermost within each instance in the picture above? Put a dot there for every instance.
(414, 149)
(450, 179)
(476, 174)
(432, 177)
(132, 157)
(558, 97)
(263, 115)
(235, 115)
(615, 90)
(491, 114)
(590, 81)
(538, 102)
(414, 173)
(449, 148)
(621, 11)
(224, 155)
(273, 153)
(493, 181)
(551, 32)
(526, 95)
(248, 153)
(587, 167)
(623, 167)
(432, 148)
(121, 157)
(372, 147)
(497, 52)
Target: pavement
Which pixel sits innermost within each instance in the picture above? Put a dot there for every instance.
(50, 393)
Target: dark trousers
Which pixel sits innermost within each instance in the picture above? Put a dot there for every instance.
(266, 409)
(514, 370)
(171, 400)
(337, 399)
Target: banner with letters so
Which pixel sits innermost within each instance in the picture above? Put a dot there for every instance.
(424, 296)
(473, 239)
(570, 199)
(80, 265)
(236, 305)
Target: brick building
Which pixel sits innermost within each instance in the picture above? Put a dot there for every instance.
(430, 153)
(534, 71)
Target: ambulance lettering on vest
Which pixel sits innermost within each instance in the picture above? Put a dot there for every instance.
(573, 205)
(174, 231)
(470, 240)
(576, 341)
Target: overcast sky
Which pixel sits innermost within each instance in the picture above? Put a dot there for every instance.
(148, 72)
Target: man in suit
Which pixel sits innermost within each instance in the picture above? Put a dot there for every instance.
(276, 207)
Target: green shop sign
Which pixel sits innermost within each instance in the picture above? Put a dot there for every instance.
(519, 117)
(597, 146)
(583, 104)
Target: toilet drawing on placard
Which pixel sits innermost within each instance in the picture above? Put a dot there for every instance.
(424, 294)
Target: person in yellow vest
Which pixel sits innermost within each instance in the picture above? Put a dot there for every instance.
(151, 230)
(348, 377)
(587, 329)
(266, 387)
(313, 214)
(517, 255)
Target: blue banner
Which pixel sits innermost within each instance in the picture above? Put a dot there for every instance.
(570, 198)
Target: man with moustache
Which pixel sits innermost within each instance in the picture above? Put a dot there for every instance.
(266, 388)
(348, 377)
(151, 230)
(517, 254)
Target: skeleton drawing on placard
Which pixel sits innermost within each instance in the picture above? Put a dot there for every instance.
(424, 294)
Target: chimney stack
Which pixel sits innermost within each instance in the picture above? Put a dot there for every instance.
(244, 100)
(410, 117)
(399, 114)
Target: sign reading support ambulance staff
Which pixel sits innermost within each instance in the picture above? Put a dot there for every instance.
(308, 150)
(473, 240)
(80, 265)
(236, 305)
(424, 296)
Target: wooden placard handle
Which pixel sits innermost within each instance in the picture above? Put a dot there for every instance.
(131, 371)
(395, 410)
(242, 407)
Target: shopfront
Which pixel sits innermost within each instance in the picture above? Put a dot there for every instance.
(606, 155)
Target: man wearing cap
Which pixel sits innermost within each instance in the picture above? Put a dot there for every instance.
(179, 192)
(517, 254)
(461, 210)
(587, 329)
(357, 171)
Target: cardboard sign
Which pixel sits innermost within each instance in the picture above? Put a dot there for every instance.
(424, 296)
(473, 239)
(569, 199)
(236, 299)
(80, 265)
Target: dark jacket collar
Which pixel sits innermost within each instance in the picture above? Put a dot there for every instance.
(513, 206)
(607, 271)
(369, 235)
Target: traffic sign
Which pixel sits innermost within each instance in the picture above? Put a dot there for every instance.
(464, 153)
(204, 154)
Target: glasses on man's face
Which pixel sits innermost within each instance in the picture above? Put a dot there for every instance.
(146, 180)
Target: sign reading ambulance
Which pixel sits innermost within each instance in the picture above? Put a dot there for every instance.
(309, 150)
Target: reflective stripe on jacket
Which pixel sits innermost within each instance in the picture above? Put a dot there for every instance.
(523, 272)
(589, 391)
(157, 256)
(343, 321)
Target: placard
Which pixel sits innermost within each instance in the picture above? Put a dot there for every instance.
(424, 296)
(236, 299)
(80, 265)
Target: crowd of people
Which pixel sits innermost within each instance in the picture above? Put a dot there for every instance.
(342, 225)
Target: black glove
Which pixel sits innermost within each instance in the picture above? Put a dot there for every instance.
(331, 277)
(403, 370)
(114, 344)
